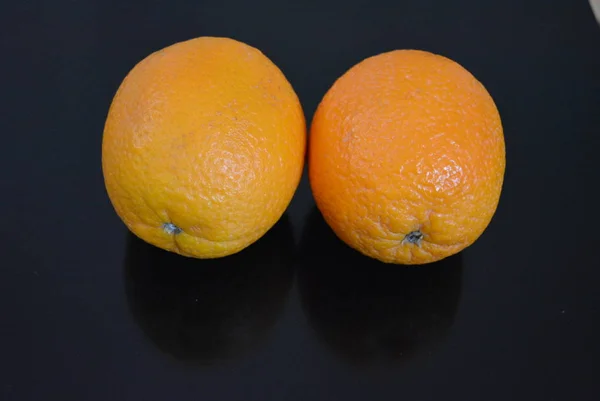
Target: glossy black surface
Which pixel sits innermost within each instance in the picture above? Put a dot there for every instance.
(91, 313)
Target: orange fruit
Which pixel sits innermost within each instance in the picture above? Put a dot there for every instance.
(407, 157)
(203, 147)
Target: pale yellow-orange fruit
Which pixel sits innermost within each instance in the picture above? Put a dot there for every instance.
(203, 147)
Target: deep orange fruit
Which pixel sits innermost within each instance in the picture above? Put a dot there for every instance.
(203, 147)
(407, 157)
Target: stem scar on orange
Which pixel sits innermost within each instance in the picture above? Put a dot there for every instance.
(203, 147)
(407, 157)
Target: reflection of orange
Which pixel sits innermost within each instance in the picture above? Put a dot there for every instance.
(369, 314)
(203, 147)
(211, 311)
(406, 157)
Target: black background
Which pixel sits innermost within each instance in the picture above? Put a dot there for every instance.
(90, 313)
